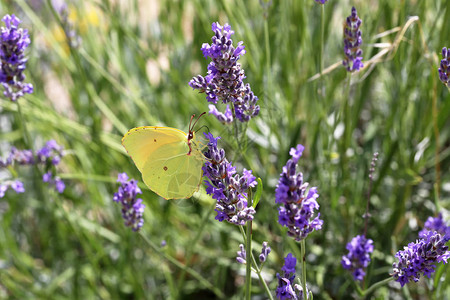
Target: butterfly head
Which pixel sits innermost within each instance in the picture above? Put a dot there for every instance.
(190, 136)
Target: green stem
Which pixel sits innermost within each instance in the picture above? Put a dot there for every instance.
(256, 268)
(236, 132)
(268, 73)
(303, 258)
(29, 145)
(437, 166)
(347, 132)
(248, 248)
(178, 264)
(23, 125)
(322, 39)
(191, 244)
(269, 108)
(377, 285)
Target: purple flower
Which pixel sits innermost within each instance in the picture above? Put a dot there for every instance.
(3, 189)
(16, 185)
(13, 43)
(224, 81)
(444, 69)
(55, 182)
(289, 264)
(132, 208)
(49, 156)
(20, 157)
(436, 224)
(227, 187)
(225, 117)
(352, 43)
(122, 178)
(73, 39)
(264, 252)
(420, 258)
(241, 255)
(321, 1)
(51, 152)
(286, 288)
(59, 185)
(47, 177)
(358, 256)
(298, 204)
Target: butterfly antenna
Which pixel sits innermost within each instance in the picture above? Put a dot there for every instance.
(191, 127)
(195, 122)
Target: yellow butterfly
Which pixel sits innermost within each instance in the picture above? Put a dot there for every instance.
(169, 159)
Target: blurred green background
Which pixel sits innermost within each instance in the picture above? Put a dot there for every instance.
(132, 68)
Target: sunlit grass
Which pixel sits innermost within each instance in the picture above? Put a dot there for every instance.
(132, 68)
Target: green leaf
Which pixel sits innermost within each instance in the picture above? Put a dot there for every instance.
(258, 194)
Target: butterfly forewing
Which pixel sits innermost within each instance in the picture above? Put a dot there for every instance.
(172, 173)
(140, 142)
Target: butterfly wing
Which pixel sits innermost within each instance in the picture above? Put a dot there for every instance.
(140, 142)
(161, 155)
(172, 173)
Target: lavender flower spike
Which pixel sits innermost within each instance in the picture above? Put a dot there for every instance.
(298, 205)
(352, 43)
(227, 187)
(132, 208)
(241, 255)
(16, 185)
(444, 69)
(224, 81)
(286, 280)
(264, 252)
(420, 258)
(56, 182)
(321, 1)
(13, 43)
(358, 257)
(436, 224)
(286, 288)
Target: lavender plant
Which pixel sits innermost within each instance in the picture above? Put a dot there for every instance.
(132, 208)
(436, 224)
(227, 187)
(360, 247)
(73, 39)
(15, 185)
(264, 252)
(224, 82)
(241, 255)
(230, 101)
(13, 43)
(444, 68)
(232, 191)
(298, 203)
(48, 157)
(297, 210)
(352, 43)
(420, 258)
(286, 288)
(358, 257)
(54, 181)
